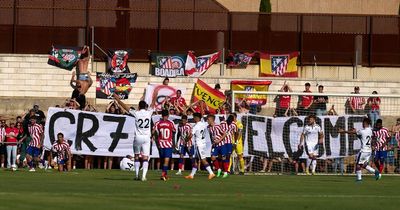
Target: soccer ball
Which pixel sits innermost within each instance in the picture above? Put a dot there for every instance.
(127, 164)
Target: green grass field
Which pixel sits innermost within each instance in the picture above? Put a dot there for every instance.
(99, 189)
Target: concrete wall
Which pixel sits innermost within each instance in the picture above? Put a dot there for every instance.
(387, 7)
(28, 79)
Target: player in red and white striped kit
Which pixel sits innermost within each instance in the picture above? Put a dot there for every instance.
(61, 147)
(185, 143)
(165, 131)
(381, 138)
(218, 152)
(229, 128)
(33, 149)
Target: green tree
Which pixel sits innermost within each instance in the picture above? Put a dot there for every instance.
(265, 6)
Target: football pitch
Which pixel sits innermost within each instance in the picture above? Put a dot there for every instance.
(100, 189)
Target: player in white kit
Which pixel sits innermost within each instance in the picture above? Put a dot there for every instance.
(363, 157)
(198, 136)
(313, 136)
(142, 142)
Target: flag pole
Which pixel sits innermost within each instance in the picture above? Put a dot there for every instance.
(315, 69)
(92, 60)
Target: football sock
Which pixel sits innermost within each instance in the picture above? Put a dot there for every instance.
(221, 164)
(226, 165)
(164, 170)
(137, 167)
(145, 168)
(370, 169)
(381, 168)
(180, 165)
(30, 164)
(313, 165)
(208, 168)
(241, 161)
(194, 169)
(230, 163)
(308, 164)
(216, 164)
(358, 173)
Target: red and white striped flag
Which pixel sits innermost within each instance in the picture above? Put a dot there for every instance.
(197, 66)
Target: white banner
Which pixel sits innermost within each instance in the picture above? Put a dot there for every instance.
(279, 137)
(91, 133)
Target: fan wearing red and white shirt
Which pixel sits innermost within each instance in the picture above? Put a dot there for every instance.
(63, 151)
(381, 138)
(33, 150)
(305, 102)
(374, 104)
(356, 103)
(165, 131)
(179, 102)
(185, 142)
(283, 101)
(11, 140)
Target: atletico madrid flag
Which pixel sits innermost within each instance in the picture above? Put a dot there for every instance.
(278, 65)
(197, 66)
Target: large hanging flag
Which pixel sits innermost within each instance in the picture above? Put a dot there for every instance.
(118, 61)
(278, 65)
(213, 98)
(197, 66)
(251, 86)
(108, 84)
(168, 65)
(64, 57)
(239, 60)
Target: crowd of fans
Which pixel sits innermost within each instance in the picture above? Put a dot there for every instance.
(17, 135)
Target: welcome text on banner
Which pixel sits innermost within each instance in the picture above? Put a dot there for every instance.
(113, 135)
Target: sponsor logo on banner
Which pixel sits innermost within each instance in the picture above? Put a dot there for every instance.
(212, 98)
(120, 83)
(157, 94)
(278, 65)
(251, 86)
(164, 65)
(94, 133)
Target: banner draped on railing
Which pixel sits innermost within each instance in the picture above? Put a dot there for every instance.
(102, 134)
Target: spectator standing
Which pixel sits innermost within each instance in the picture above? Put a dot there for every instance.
(305, 102)
(11, 140)
(320, 102)
(357, 103)
(373, 104)
(282, 101)
(3, 126)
